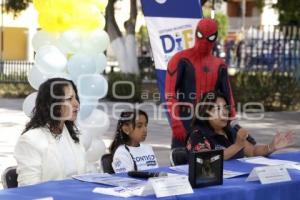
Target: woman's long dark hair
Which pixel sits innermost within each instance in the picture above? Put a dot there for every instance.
(204, 106)
(50, 92)
(126, 118)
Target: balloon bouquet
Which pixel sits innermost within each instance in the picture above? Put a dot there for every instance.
(70, 45)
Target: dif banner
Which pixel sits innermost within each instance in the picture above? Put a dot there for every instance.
(171, 26)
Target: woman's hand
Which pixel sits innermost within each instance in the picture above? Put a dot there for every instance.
(282, 140)
(241, 137)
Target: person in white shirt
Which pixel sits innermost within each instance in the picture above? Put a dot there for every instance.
(49, 147)
(129, 154)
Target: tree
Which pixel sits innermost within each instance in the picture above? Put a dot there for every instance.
(124, 46)
(289, 13)
(16, 6)
(222, 21)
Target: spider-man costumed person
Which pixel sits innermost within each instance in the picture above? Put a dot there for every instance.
(191, 73)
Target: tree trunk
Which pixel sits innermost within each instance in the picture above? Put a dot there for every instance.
(130, 41)
(124, 47)
(111, 25)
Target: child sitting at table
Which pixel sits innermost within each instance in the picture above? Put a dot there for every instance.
(128, 152)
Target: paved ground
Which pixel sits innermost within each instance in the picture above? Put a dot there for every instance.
(12, 121)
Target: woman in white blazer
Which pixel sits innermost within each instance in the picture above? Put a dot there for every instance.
(49, 147)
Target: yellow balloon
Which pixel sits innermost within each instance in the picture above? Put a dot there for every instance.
(103, 5)
(65, 6)
(57, 16)
(44, 5)
(101, 22)
(60, 15)
(37, 4)
(55, 22)
(41, 5)
(87, 18)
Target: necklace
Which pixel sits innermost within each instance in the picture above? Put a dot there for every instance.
(56, 133)
(56, 136)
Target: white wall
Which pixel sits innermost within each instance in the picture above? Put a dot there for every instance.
(269, 15)
(27, 19)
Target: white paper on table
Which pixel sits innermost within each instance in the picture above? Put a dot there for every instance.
(44, 198)
(226, 173)
(180, 168)
(108, 179)
(268, 161)
(141, 190)
(114, 191)
(269, 174)
(294, 166)
(171, 185)
(232, 174)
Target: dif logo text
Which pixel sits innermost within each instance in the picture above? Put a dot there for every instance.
(177, 41)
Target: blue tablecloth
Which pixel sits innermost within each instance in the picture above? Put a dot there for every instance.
(232, 189)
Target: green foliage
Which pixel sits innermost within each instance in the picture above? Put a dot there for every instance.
(116, 88)
(259, 4)
(16, 6)
(15, 89)
(22, 78)
(142, 35)
(222, 21)
(14, 85)
(147, 68)
(297, 75)
(206, 12)
(277, 91)
(289, 13)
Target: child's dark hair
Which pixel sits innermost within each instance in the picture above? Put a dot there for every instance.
(126, 117)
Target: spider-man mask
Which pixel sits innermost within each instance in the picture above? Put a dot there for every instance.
(206, 35)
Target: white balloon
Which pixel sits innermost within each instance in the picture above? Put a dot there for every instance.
(29, 104)
(85, 139)
(96, 124)
(81, 63)
(69, 41)
(86, 107)
(96, 42)
(161, 1)
(60, 75)
(92, 86)
(101, 62)
(50, 59)
(42, 38)
(96, 150)
(36, 77)
(59, 46)
(101, 38)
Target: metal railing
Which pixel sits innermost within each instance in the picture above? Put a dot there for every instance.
(276, 47)
(266, 48)
(14, 71)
